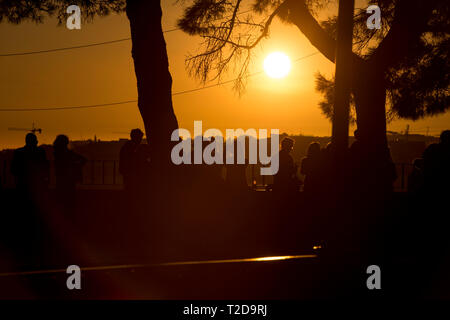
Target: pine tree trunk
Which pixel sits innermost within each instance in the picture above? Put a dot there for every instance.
(157, 204)
(154, 81)
(370, 98)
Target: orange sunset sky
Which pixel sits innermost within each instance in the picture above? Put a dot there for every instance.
(105, 74)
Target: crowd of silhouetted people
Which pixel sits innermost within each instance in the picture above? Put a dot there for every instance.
(431, 172)
(320, 169)
(41, 213)
(317, 168)
(31, 169)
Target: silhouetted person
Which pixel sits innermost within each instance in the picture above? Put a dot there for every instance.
(416, 177)
(312, 168)
(357, 144)
(389, 171)
(432, 218)
(437, 165)
(31, 171)
(68, 170)
(30, 166)
(134, 164)
(286, 178)
(328, 174)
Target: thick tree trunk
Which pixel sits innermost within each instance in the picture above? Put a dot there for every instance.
(158, 204)
(370, 98)
(154, 81)
(375, 166)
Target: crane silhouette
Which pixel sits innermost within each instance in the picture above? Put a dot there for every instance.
(33, 129)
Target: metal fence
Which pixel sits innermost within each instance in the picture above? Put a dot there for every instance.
(102, 172)
(105, 173)
(96, 173)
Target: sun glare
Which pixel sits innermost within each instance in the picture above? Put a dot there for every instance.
(277, 65)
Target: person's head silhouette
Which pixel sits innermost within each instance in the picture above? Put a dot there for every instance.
(31, 140)
(445, 138)
(287, 144)
(61, 142)
(313, 149)
(136, 136)
(418, 163)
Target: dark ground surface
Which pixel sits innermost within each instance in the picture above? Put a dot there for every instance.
(105, 231)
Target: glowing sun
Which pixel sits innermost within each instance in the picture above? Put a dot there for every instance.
(277, 65)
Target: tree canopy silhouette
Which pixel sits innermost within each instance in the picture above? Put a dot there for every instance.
(404, 64)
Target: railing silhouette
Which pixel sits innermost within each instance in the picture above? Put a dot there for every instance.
(95, 173)
(401, 183)
(105, 173)
(102, 172)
